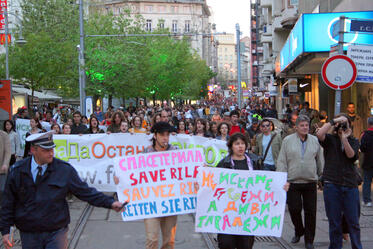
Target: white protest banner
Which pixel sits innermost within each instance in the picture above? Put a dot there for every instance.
(240, 202)
(92, 155)
(158, 184)
(22, 127)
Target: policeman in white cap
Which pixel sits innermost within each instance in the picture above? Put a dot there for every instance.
(35, 197)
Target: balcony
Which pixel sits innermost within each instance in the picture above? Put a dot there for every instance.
(286, 20)
(266, 3)
(260, 50)
(267, 69)
(266, 38)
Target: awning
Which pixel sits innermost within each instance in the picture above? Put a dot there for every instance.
(40, 95)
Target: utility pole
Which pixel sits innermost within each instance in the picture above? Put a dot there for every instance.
(238, 35)
(338, 93)
(82, 76)
(6, 43)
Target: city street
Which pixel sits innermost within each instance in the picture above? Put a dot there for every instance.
(219, 113)
(98, 228)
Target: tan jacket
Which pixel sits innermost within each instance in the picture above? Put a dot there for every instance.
(5, 149)
(276, 145)
(301, 169)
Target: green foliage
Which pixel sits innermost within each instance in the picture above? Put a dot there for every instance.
(160, 67)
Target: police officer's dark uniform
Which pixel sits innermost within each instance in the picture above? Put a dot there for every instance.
(38, 207)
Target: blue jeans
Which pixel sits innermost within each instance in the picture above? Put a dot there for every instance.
(368, 175)
(342, 200)
(45, 240)
(269, 167)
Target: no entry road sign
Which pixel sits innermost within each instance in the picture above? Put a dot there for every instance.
(339, 72)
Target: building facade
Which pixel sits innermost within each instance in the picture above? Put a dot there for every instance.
(245, 62)
(227, 59)
(298, 44)
(181, 17)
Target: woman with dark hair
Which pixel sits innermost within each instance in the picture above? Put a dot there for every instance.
(223, 131)
(156, 118)
(213, 129)
(93, 126)
(115, 123)
(191, 129)
(35, 128)
(181, 128)
(137, 125)
(238, 159)
(56, 128)
(201, 128)
(14, 141)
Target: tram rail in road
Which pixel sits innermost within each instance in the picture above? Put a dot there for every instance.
(208, 239)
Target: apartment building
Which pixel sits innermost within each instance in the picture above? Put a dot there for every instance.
(245, 61)
(296, 40)
(182, 17)
(227, 59)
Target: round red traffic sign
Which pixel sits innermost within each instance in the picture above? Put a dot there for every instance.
(339, 72)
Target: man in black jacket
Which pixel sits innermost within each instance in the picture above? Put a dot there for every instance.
(367, 148)
(341, 193)
(35, 197)
(78, 127)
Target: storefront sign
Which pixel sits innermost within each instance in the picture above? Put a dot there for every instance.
(158, 184)
(3, 8)
(363, 58)
(362, 26)
(5, 100)
(241, 202)
(314, 33)
(293, 86)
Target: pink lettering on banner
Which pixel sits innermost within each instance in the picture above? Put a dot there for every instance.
(142, 163)
(225, 222)
(199, 157)
(163, 159)
(133, 160)
(174, 156)
(121, 164)
(166, 159)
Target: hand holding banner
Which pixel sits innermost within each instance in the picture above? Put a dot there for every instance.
(158, 184)
(240, 202)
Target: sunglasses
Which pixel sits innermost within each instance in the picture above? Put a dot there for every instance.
(265, 126)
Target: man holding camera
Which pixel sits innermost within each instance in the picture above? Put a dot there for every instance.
(341, 194)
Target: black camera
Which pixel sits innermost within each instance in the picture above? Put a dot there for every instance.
(343, 126)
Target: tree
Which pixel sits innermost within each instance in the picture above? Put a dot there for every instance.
(49, 58)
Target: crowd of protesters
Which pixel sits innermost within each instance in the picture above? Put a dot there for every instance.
(314, 149)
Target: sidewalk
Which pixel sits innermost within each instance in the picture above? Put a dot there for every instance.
(322, 228)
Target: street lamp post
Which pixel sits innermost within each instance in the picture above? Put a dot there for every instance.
(82, 76)
(238, 34)
(6, 44)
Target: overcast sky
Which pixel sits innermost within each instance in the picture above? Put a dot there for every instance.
(226, 13)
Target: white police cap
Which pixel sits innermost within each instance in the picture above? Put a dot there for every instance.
(43, 140)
